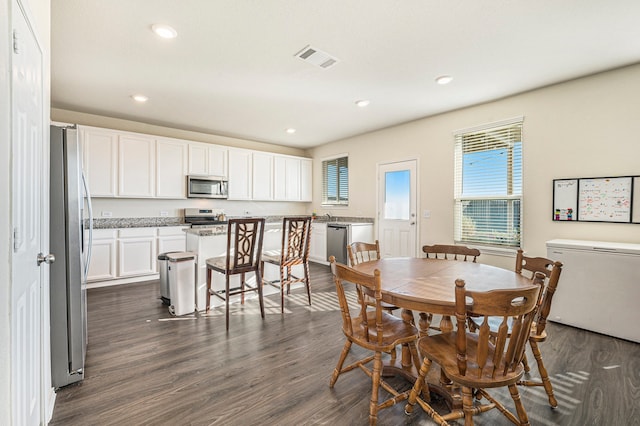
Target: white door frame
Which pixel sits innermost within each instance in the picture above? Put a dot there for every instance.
(379, 183)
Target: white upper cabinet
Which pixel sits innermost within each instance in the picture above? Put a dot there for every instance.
(287, 178)
(171, 168)
(100, 160)
(262, 176)
(136, 166)
(240, 174)
(306, 173)
(207, 160)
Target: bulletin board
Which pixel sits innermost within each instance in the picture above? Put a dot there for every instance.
(602, 199)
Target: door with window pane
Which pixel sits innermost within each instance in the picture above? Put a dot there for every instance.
(397, 206)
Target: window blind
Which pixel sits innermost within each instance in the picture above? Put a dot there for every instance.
(488, 185)
(335, 181)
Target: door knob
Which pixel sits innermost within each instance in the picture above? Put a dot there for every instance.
(48, 259)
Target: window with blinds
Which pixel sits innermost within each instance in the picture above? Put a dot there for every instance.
(335, 181)
(488, 185)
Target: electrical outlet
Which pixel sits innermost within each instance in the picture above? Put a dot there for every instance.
(106, 214)
(164, 213)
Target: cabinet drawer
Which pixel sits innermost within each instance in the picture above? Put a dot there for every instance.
(137, 232)
(172, 230)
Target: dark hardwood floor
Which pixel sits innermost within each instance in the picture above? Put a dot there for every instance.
(145, 367)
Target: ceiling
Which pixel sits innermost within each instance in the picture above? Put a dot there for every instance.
(232, 71)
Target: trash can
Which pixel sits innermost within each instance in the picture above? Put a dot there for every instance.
(163, 267)
(182, 282)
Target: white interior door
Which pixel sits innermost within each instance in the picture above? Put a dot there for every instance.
(27, 305)
(397, 206)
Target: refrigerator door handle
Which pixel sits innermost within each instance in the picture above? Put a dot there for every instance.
(90, 241)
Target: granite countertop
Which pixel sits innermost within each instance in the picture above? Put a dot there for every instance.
(154, 222)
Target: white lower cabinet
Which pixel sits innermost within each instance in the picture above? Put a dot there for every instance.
(137, 252)
(103, 255)
(318, 244)
(131, 253)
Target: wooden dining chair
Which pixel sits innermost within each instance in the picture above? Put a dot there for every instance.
(475, 361)
(244, 250)
(530, 266)
(363, 252)
(296, 234)
(453, 252)
(360, 252)
(372, 329)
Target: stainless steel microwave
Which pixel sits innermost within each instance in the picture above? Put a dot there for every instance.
(207, 187)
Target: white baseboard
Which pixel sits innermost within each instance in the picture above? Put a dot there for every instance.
(119, 281)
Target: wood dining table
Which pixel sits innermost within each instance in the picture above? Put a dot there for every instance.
(427, 286)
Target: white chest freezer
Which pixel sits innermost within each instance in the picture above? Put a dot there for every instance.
(599, 288)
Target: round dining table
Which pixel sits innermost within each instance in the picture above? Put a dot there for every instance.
(428, 287)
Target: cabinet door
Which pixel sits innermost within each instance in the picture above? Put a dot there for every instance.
(262, 176)
(287, 178)
(306, 187)
(318, 243)
(217, 161)
(136, 256)
(100, 160)
(240, 175)
(136, 166)
(198, 159)
(171, 167)
(103, 255)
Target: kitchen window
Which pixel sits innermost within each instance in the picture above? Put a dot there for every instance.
(488, 185)
(335, 181)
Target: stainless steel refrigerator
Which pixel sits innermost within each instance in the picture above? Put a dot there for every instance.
(69, 196)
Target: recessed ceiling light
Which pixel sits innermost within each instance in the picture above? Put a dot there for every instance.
(291, 130)
(164, 31)
(140, 98)
(363, 103)
(444, 79)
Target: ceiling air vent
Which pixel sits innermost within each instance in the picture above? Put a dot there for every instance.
(317, 57)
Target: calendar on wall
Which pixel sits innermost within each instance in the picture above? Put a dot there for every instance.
(606, 199)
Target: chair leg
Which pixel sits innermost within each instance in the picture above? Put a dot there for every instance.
(282, 281)
(525, 363)
(543, 374)
(343, 355)
(226, 299)
(522, 414)
(288, 280)
(417, 386)
(307, 281)
(260, 295)
(467, 405)
(208, 301)
(242, 288)
(375, 387)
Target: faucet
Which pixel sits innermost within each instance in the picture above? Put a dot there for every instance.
(328, 215)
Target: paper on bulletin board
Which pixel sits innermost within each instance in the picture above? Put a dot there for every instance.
(605, 199)
(565, 199)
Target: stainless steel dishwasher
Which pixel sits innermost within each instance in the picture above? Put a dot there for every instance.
(337, 240)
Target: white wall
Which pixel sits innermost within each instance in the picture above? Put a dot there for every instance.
(587, 127)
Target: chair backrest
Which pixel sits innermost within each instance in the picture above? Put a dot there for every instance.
(455, 252)
(363, 284)
(244, 244)
(516, 307)
(296, 237)
(529, 266)
(363, 252)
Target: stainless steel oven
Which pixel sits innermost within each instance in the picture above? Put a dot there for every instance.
(207, 187)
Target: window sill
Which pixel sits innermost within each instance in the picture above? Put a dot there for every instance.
(495, 251)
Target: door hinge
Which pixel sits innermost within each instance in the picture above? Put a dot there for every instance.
(16, 44)
(16, 239)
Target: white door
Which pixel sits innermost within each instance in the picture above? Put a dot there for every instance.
(397, 206)
(28, 220)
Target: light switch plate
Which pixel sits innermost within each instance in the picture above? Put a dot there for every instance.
(164, 213)
(426, 214)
